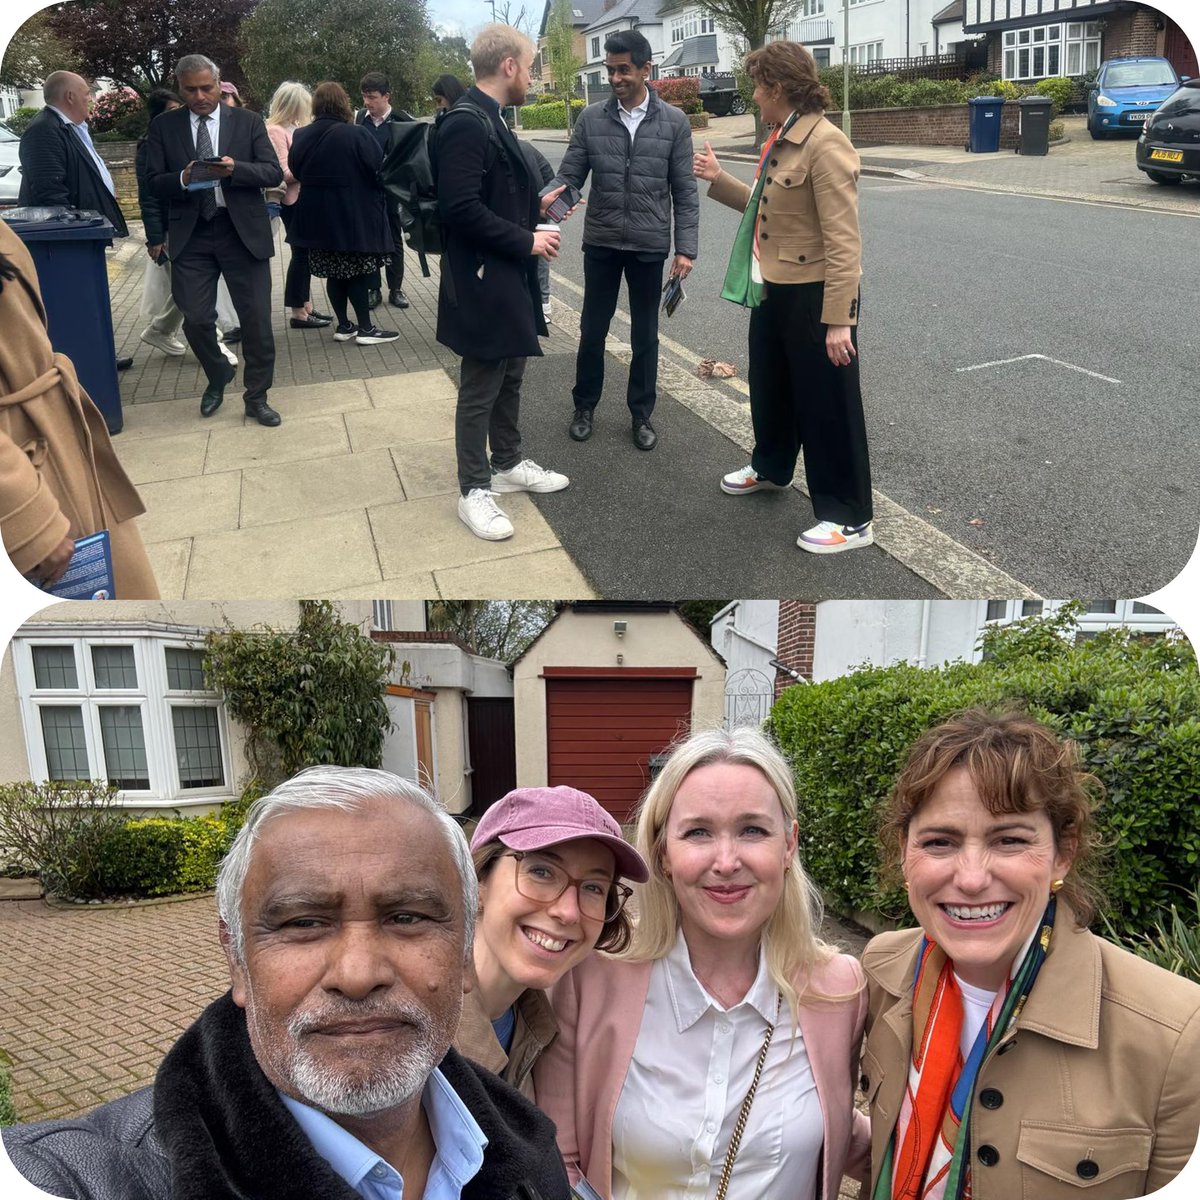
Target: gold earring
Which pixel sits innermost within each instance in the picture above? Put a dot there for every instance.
(1056, 886)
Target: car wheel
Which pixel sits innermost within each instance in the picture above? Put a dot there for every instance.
(738, 106)
(1097, 134)
(1163, 177)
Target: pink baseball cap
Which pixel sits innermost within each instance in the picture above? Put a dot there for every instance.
(537, 817)
(230, 89)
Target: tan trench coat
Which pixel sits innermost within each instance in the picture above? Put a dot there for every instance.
(1094, 1094)
(536, 1028)
(59, 474)
(808, 214)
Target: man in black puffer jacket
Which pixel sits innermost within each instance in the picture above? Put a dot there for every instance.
(347, 904)
(639, 153)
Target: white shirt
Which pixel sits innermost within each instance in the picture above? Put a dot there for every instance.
(377, 121)
(86, 143)
(631, 118)
(214, 133)
(692, 1066)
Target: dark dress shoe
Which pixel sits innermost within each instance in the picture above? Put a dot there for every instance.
(234, 335)
(263, 413)
(312, 321)
(211, 400)
(374, 296)
(644, 437)
(397, 298)
(320, 316)
(581, 425)
(123, 364)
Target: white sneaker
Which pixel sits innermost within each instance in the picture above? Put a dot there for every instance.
(527, 476)
(229, 354)
(746, 480)
(165, 342)
(480, 513)
(546, 313)
(830, 537)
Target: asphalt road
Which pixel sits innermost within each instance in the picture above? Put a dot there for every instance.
(1078, 477)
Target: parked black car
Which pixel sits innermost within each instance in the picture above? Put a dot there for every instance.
(720, 96)
(1168, 149)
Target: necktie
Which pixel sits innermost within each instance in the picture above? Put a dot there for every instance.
(204, 149)
(86, 138)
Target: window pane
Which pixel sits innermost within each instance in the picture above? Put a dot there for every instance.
(1091, 56)
(1053, 32)
(1052, 60)
(1101, 606)
(114, 667)
(1010, 37)
(1139, 607)
(1073, 58)
(1039, 60)
(54, 667)
(1039, 35)
(996, 610)
(1009, 63)
(124, 746)
(185, 670)
(1023, 59)
(66, 746)
(197, 747)
(1031, 608)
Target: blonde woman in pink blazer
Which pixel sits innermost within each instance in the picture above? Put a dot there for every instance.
(726, 1008)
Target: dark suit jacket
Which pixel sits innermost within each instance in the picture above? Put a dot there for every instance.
(489, 304)
(57, 169)
(243, 137)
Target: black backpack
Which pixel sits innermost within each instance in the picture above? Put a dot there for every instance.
(409, 174)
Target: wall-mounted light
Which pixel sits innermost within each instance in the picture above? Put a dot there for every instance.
(619, 628)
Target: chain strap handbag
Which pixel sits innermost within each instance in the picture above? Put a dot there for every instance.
(739, 1128)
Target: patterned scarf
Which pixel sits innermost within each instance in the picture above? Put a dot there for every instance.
(928, 1157)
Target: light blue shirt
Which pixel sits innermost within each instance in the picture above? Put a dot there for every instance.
(459, 1144)
(81, 131)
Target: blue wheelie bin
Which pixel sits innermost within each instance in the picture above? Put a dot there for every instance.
(67, 248)
(984, 126)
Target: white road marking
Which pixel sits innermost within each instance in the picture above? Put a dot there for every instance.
(954, 569)
(1058, 362)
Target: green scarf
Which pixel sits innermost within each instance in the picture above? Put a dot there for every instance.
(740, 285)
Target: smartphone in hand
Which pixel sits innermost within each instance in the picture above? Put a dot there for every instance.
(563, 203)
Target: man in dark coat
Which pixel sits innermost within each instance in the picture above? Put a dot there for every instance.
(638, 152)
(489, 304)
(347, 905)
(223, 230)
(59, 163)
(378, 115)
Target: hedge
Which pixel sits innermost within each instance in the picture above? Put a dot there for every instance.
(8, 1114)
(548, 114)
(1132, 704)
(161, 856)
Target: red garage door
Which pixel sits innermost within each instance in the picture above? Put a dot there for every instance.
(601, 731)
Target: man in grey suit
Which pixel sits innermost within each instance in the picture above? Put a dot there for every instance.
(218, 231)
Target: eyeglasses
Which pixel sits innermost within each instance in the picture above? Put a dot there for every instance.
(544, 881)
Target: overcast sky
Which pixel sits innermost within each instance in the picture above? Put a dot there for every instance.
(467, 17)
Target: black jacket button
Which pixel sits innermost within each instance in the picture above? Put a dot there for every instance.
(864, 1082)
(763, 235)
(988, 1155)
(788, 181)
(1086, 1169)
(801, 258)
(990, 1098)
(774, 162)
(768, 179)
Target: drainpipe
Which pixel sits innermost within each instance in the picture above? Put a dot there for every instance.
(923, 650)
(908, 31)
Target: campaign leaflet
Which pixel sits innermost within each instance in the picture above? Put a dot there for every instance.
(89, 574)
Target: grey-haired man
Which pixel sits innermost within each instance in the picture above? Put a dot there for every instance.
(347, 906)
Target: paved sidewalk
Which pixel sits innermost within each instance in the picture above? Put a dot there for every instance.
(93, 997)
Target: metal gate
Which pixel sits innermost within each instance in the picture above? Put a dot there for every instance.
(748, 696)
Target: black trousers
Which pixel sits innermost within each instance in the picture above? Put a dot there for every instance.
(297, 284)
(489, 407)
(213, 250)
(602, 272)
(395, 263)
(800, 401)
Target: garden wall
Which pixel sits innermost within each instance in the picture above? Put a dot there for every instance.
(935, 125)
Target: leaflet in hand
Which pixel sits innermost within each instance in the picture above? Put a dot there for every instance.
(584, 1190)
(202, 176)
(89, 574)
(673, 295)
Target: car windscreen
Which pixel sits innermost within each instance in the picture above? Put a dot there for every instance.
(1139, 75)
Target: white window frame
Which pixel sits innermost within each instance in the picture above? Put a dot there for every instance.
(1020, 49)
(152, 697)
(1123, 617)
(866, 52)
(596, 48)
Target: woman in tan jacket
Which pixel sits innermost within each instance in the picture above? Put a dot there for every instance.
(796, 264)
(59, 476)
(549, 861)
(1010, 1052)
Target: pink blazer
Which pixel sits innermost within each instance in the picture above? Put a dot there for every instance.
(281, 139)
(599, 1010)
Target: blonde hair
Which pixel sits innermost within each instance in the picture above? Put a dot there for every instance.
(493, 45)
(290, 105)
(790, 937)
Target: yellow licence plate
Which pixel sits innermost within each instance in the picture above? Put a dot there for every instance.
(1167, 155)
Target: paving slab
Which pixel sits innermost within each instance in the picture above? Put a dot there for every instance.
(170, 561)
(182, 508)
(412, 583)
(170, 456)
(427, 468)
(319, 399)
(539, 575)
(304, 557)
(253, 445)
(414, 387)
(417, 419)
(329, 485)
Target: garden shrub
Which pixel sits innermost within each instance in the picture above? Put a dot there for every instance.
(19, 121)
(1131, 703)
(681, 91)
(58, 830)
(1059, 90)
(162, 856)
(548, 114)
(1173, 942)
(113, 107)
(8, 1114)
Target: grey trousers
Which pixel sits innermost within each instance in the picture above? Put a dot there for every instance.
(489, 403)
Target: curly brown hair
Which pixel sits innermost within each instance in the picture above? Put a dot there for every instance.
(1017, 765)
(330, 100)
(790, 67)
(617, 932)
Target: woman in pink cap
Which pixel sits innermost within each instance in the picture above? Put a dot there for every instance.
(549, 861)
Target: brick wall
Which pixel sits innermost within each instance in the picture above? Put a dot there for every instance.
(1128, 33)
(797, 632)
(936, 125)
(121, 160)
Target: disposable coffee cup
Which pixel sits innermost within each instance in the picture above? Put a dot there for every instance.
(547, 226)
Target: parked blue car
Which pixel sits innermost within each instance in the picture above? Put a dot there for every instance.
(1127, 91)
